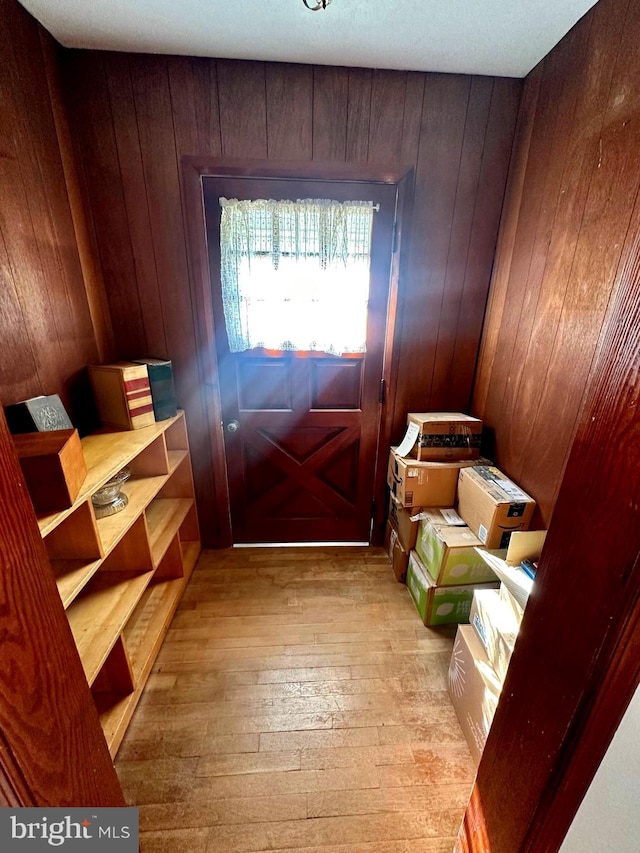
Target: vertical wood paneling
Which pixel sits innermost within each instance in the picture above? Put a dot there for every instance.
(330, 111)
(243, 111)
(498, 143)
(46, 324)
(194, 101)
(388, 89)
(289, 90)
(445, 104)
(460, 236)
(127, 139)
(573, 210)
(456, 130)
(359, 114)
(87, 92)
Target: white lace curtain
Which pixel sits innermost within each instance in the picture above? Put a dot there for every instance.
(295, 274)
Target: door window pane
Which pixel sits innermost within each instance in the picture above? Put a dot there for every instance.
(295, 275)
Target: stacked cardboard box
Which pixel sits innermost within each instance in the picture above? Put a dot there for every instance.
(482, 650)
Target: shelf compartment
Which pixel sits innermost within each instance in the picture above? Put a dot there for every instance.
(176, 435)
(75, 552)
(72, 576)
(151, 461)
(106, 452)
(175, 458)
(164, 518)
(132, 553)
(98, 616)
(180, 484)
(139, 492)
(189, 529)
(146, 629)
(116, 676)
(190, 553)
(170, 566)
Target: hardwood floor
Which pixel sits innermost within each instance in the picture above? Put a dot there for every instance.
(297, 704)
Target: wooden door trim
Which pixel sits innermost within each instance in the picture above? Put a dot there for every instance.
(194, 169)
(576, 664)
(52, 749)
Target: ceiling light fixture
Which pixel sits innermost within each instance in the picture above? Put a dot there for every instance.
(315, 5)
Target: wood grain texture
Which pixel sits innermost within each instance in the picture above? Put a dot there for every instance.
(277, 113)
(50, 727)
(567, 216)
(579, 694)
(47, 323)
(265, 746)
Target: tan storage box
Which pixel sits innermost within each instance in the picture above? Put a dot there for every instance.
(398, 556)
(474, 689)
(54, 467)
(123, 394)
(446, 435)
(492, 505)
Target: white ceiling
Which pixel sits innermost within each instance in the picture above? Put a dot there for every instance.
(497, 37)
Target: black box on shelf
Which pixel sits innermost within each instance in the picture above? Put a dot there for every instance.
(163, 394)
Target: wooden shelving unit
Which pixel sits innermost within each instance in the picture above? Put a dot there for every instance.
(121, 577)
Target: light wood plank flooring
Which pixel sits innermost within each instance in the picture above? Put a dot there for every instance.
(297, 704)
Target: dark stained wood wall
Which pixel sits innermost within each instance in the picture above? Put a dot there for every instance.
(46, 329)
(136, 116)
(571, 205)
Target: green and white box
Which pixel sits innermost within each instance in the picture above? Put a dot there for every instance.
(449, 555)
(438, 605)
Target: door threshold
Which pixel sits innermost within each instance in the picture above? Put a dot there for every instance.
(300, 545)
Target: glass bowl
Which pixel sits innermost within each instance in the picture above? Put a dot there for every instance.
(109, 498)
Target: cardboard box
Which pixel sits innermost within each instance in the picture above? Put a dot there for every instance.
(122, 394)
(511, 602)
(400, 517)
(445, 516)
(437, 605)
(450, 555)
(496, 627)
(397, 554)
(446, 435)
(492, 505)
(423, 484)
(54, 467)
(474, 689)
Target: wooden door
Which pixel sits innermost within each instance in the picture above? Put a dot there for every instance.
(301, 430)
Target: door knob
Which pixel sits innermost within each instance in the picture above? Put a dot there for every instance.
(233, 426)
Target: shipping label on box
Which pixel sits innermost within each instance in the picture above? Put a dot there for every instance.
(496, 628)
(474, 689)
(492, 505)
(437, 605)
(450, 555)
(446, 435)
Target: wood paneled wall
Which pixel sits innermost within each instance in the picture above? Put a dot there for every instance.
(45, 320)
(136, 116)
(570, 210)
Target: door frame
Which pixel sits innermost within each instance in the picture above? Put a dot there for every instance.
(194, 169)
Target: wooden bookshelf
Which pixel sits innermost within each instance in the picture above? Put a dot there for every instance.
(121, 577)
